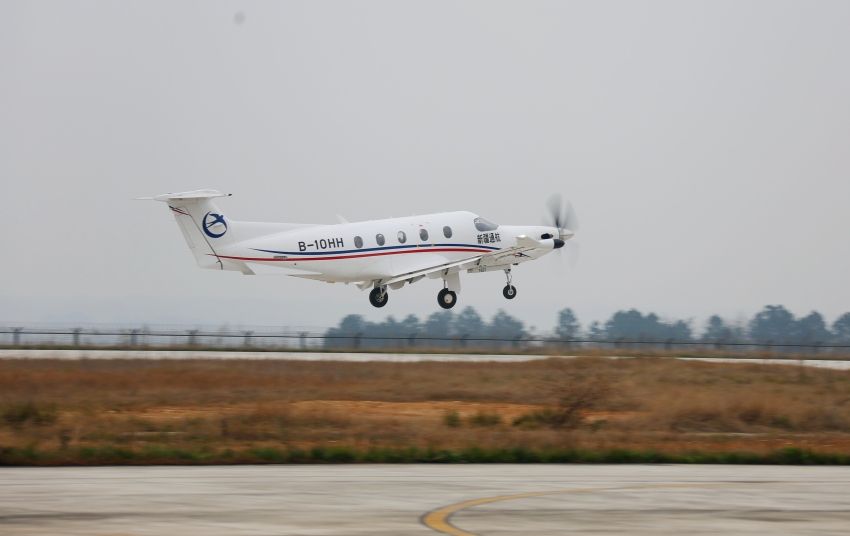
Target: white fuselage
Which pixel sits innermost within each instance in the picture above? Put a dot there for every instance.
(377, 249)
(378, 254)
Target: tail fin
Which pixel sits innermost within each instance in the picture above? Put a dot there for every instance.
(203, 224)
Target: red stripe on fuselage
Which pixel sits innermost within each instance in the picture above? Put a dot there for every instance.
(338, 257)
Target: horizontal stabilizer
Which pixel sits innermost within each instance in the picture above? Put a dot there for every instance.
(185, 196)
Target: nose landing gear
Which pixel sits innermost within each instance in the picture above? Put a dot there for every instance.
(379, 296)
(509, 291)
(446, 298)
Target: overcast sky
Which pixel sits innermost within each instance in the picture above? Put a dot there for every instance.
(705, 146)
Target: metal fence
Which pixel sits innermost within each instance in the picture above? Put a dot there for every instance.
(267, 339)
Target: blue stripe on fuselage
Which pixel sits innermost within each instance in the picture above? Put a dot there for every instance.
(383, 248)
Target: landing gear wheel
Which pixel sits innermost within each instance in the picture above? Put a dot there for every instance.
(446, 298)
(509, 292)
(379, 296)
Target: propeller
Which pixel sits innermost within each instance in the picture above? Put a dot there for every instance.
(562, 216)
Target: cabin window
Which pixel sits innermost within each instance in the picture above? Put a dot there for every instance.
(423, 234)
(379, 238)
(402, 238)
(447, 231)
(483, 224)
(358, 242)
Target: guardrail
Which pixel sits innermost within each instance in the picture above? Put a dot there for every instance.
(265, 340)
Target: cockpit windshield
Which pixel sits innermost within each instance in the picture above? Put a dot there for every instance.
(483, 224)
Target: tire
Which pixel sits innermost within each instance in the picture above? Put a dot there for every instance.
(378, 298)
(446, 298)
(509, 292)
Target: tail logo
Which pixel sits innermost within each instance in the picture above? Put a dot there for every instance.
(214, 225)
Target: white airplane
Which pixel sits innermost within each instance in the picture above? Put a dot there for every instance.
(380, 254)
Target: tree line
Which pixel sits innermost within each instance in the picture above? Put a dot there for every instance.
(774, 324)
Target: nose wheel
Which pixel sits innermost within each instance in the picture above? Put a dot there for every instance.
(379, 296)
(446, 298)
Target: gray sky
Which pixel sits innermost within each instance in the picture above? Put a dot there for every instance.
(705, 145)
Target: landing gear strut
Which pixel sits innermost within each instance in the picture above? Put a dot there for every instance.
(509, 291)
(378, 296)
(446, 298)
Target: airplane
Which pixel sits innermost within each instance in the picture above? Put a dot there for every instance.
(378, 254)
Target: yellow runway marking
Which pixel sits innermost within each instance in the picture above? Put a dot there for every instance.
(439, 519)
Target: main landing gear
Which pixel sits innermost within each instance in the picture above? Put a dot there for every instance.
(446, 298)
(379, 296)
(509, 291)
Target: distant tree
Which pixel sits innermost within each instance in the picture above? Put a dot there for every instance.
(626, 324)
(811, 329)
(596, 331)
(725, 331)
(351, 324)
(345, 335)
(740, 332)
(716, 330)
(409, 329)
(841, 329)
(469, 324)
(679, 330)
(773, 324)
(438, 325)
(385, 334)
(633, 325)
(568, 326)
(504, 326)
(410, 325)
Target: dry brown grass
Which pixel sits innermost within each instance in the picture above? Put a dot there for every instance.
(652, 403)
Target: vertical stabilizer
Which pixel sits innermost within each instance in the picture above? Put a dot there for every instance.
(203, 224)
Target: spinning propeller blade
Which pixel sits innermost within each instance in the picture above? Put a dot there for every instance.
(562, 215)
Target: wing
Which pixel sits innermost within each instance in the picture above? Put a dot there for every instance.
(502, 257)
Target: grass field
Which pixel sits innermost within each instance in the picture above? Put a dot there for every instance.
(585, 409)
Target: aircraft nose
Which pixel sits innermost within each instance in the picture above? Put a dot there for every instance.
(559, 243)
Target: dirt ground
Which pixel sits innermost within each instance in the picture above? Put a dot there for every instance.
(590, 403)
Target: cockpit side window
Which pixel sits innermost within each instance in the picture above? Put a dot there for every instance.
(483, 224)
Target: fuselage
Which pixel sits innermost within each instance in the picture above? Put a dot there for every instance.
(382, 254)
(382, 248)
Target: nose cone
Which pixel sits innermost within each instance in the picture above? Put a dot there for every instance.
(558, 243)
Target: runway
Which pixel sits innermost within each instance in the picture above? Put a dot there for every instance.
(460, 500)
(363, 357)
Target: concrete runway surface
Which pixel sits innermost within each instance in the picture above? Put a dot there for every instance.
(488, 500)
(362, 357)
